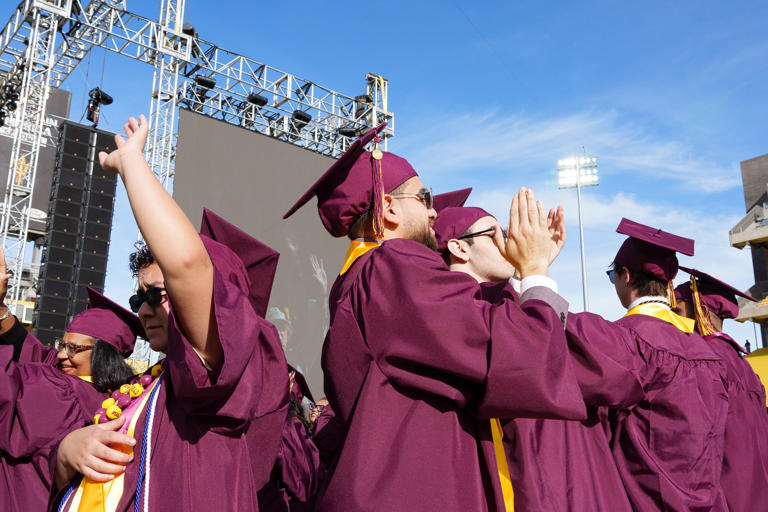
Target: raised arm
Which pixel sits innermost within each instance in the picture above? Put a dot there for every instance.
(174, 242)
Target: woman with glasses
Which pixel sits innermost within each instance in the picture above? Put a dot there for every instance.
(205, 433)
(41, 401)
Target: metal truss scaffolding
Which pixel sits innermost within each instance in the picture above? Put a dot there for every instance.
(189, 73)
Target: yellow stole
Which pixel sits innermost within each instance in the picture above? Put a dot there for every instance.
(501, 464)
(758, 360)
(664, 313)
(103, 497)
(86, 378)
(356, 249)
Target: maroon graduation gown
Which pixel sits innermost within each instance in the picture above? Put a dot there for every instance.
(668, 404)
(745, 464)
(216, 433)
(294, 480)
(559, 465)
(413, 358)
(39, 405)
(26, 347)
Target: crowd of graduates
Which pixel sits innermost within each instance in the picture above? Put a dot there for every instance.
(456, 378)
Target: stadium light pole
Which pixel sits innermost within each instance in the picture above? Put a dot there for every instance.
(578, 172)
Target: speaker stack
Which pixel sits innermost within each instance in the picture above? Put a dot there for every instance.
(78, 229)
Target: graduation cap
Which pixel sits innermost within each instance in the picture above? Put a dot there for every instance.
(299, 387)
(108, 321)
(243, 260)
(651, 250)
(718, 297)
(453, 198)
(453, 221)
(355, 183)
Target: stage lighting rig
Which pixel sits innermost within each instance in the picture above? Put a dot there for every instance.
(299, 119)
(97, 98)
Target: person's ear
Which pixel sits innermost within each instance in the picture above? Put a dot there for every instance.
(392, 212)
(458, 250)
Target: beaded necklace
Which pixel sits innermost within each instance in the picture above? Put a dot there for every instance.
(113, 407)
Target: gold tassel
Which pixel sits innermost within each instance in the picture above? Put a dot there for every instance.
(702, 313)
(671, 295)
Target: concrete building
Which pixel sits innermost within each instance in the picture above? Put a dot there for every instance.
(752, 230)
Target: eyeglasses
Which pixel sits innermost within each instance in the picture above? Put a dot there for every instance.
(71, 348)
(153, 297)
(490, 232)
(424, 195)
(611, 275)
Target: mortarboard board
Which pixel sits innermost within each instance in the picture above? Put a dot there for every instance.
(453, 198)
(108, 321)
(354, 184)
(454, 221)
(651, 250)
(718, 297)
(245, 261)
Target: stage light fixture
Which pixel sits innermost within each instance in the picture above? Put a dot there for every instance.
(347, 131)
(361, 104)
(257, 99)
(300, 120)
(189, 30)
(2, 118)
(11, 106)
(97, 98)
(206, 82)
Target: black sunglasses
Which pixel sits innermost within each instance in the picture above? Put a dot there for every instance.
(611, 275)
(489, 231)
(424, 195)
(152, 296)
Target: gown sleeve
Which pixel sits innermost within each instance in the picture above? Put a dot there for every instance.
(430, 330)
(607, 361)
(39, 405)
(26, 347)
(250, 381)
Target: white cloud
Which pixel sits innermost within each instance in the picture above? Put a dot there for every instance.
(463, 143)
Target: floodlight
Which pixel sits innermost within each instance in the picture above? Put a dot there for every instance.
(257, 99)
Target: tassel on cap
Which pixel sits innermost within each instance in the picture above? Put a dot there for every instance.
(702, 313)
(671, 295)
(378, 190)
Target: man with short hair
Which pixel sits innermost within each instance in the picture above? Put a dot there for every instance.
(555, 465)
(745, 465)
(662, 386)
(413, 356)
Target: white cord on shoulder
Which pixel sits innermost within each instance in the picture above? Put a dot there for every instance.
(150, 423)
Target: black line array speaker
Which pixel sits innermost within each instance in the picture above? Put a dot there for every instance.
(78, 229)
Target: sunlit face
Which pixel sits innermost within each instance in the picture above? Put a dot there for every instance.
(486, 260)
(154, 319)
(417, 219)
(79, 364)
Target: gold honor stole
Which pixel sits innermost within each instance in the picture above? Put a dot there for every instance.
(356, 249)
(501, 464)
(86, 378)
(104, 497)
(758, 360)
(664, 313)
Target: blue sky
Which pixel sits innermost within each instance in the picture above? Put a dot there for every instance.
(669, 97)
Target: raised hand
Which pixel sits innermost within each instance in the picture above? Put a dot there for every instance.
(94, 452)
(529, 243)
(4, 276)
(556, 226)
(133, 144)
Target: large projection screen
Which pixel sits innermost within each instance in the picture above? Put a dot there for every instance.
(251, 180)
